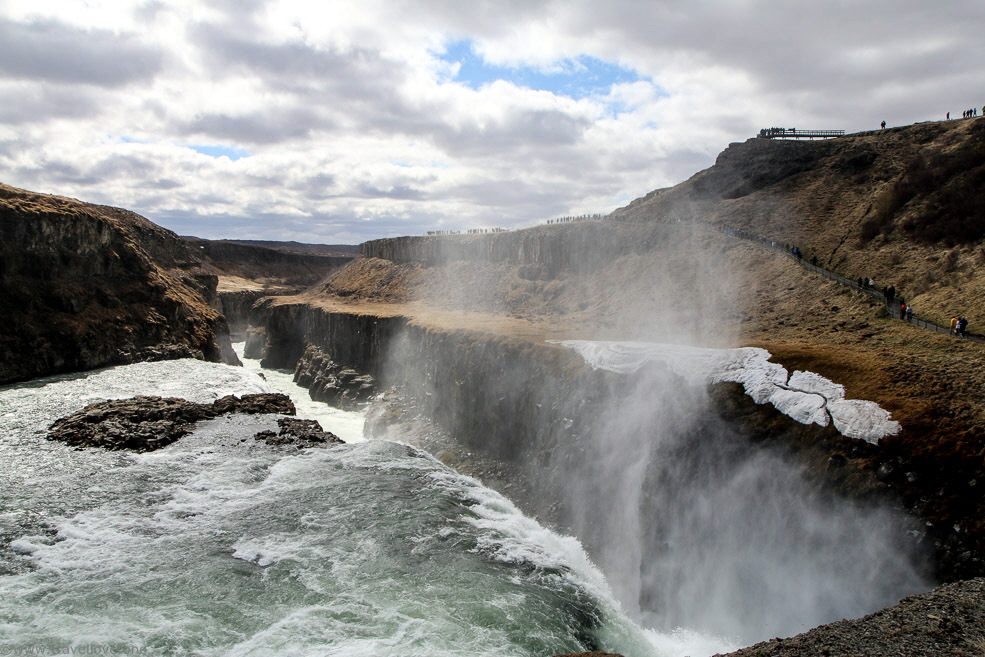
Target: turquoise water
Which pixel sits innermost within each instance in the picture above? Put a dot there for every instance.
(222, 545)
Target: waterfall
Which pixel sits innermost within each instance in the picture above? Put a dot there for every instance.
(697, 526)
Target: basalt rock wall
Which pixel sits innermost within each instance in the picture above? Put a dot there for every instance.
(582, 246)
(517, 399)
(500, 394)
(84, 286)
(285, 330)
(538, 405)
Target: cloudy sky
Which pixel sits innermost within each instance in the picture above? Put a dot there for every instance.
(339, 121)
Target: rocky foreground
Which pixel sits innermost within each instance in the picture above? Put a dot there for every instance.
(144, 423)
(950, 620)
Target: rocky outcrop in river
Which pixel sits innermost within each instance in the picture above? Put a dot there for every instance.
(145, 423)
(300, 433)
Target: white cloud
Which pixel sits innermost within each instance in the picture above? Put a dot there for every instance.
(356, 129)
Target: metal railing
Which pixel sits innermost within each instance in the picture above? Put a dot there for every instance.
(891, 309)
(794, 133)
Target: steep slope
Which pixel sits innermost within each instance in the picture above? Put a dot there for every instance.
(891, 205)
(903, 206)
(83, 286)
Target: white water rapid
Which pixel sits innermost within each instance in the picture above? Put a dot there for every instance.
(219, 544)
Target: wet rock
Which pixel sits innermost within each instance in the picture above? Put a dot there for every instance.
(145, 423)
(331, 382)
(302, 433)
(269, 402)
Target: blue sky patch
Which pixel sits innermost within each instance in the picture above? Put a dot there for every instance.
(231, 152)
(576, 78)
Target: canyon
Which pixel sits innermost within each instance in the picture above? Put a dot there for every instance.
(461, 334)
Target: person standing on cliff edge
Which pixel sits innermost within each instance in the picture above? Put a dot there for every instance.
(883, 125)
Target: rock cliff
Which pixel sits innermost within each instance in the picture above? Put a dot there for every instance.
(84, 286)
(266, 265)
(664, 270)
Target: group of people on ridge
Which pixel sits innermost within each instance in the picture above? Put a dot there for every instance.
(967, 114)
(959, 327)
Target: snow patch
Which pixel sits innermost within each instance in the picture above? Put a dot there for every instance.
(806, 397)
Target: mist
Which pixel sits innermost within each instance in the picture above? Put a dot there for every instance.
(694, 525)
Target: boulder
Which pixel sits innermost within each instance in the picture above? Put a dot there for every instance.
(146, 423)
(301, 433)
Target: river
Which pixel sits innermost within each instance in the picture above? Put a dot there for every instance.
(219, 544)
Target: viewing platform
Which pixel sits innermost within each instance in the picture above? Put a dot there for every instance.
(794, 133)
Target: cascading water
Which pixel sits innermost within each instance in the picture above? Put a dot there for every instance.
(695, 526)
(221, 545)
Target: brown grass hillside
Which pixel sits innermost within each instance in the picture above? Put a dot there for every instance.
(901, 206)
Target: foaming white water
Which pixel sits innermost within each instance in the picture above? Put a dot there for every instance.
(220, 544)
(195, 380)
(347, 425)
(240, 549)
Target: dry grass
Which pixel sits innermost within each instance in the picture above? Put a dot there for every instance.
(710, 289)
(978, 645)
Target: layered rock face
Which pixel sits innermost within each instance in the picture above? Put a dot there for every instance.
(261, 263)
(332, 382)
(84, 286)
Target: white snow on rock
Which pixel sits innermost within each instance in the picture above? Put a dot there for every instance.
(806, 397)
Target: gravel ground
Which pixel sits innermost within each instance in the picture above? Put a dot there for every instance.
(950, 620)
